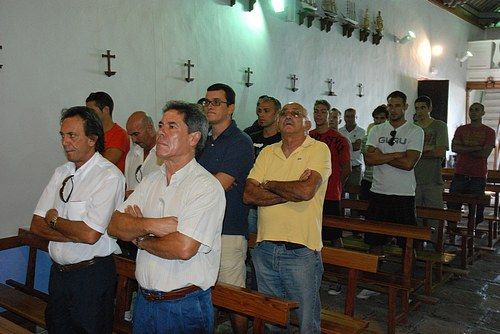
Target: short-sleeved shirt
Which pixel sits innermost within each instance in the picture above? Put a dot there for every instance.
(231, 153)
(137, 168)
(117, 137)
(390, 180)
(340, 154)
(297, 222)
(428, 170)
(196, 198)
(471, 136)
(259, 141)
(98, 189)
(355, 134)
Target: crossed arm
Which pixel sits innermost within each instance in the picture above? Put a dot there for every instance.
(158, 236)
(476, 151)
(401, 160)
(277, 192)
(65, 230)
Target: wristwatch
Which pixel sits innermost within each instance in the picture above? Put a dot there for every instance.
(53, 222)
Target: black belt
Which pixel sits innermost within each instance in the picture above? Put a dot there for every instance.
(154, 295)
(75, 266)
(288, 245)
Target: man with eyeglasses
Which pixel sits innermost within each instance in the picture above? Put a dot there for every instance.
(141, 160)
(228, 155)
(393, 148)
(73, 213)
(288, 184)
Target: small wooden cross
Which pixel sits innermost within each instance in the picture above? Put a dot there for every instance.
(108, 55)
(248, 72)
(189, 65)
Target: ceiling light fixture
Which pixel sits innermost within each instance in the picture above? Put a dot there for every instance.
(410, 35)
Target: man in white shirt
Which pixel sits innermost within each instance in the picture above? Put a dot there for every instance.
(141, 159)
(355, 135)
(174, 216)
(73, 213)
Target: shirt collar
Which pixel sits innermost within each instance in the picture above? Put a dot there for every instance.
(306, 143)
(84, 169)
(181, 174)
(229, 131)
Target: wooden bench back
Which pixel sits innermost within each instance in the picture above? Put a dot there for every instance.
(371, 226)
(350, 259)
(250, 303)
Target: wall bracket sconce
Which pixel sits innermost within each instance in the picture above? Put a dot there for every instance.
(248, 72)
(250, 4)
(410, 35)
(363, 35)
(189, 65)
(464, 58)
(294, 79)
(326, 23)
(108, 55)
(347, 29)
(305, 15)
(379, 27)
(1, 65)
(376, 37)
(360, 90)
(330, 83)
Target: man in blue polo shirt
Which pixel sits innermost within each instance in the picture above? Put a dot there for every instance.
(229, 156)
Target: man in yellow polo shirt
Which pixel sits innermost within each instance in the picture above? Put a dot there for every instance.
(288, 184)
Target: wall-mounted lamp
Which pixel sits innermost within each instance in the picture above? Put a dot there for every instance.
(406, 38)
(437, 50)
(465, 56)
(278, 6)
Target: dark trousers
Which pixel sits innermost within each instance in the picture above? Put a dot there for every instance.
(331, 208)
(391, 209)
(82, 300)
(468, 185)
(365, 190)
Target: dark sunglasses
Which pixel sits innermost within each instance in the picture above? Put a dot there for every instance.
(393, 138)
(61, 191)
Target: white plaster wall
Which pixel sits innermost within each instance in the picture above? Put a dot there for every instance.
(51, 57)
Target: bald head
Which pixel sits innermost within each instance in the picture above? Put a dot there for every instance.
(141, 129)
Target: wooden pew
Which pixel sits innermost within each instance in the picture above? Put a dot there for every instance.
(467, 244)
(353, 263)
(8, 327)
(389, 282)
(262, 308)
(30, 303)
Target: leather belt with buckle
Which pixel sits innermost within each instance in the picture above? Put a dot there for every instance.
(153, 295)
(75, 266)
(288, 245)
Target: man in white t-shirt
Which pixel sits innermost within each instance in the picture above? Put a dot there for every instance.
(355, 135)
(174, 216)
(393, 149)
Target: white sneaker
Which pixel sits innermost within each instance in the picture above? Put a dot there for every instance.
(337, 290)
(365, 294)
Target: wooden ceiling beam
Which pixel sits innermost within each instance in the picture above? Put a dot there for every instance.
(460, 12)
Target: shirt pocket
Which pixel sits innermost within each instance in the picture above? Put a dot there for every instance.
(76, 210)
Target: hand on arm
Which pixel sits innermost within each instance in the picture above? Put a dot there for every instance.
(484, 152)
(345, 171)
(131, 224)
(172, 246)
(356, 146)
(255, 194)
(407, 162)
(373, 156)
(303, 189)
(64, 230)
(434, 152)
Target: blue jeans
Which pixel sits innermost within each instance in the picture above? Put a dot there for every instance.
(294, 275)
(191, 314)
(468, 185)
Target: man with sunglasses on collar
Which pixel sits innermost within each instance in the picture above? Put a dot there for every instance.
(73, 213)
(229, 156)
(393, 149)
